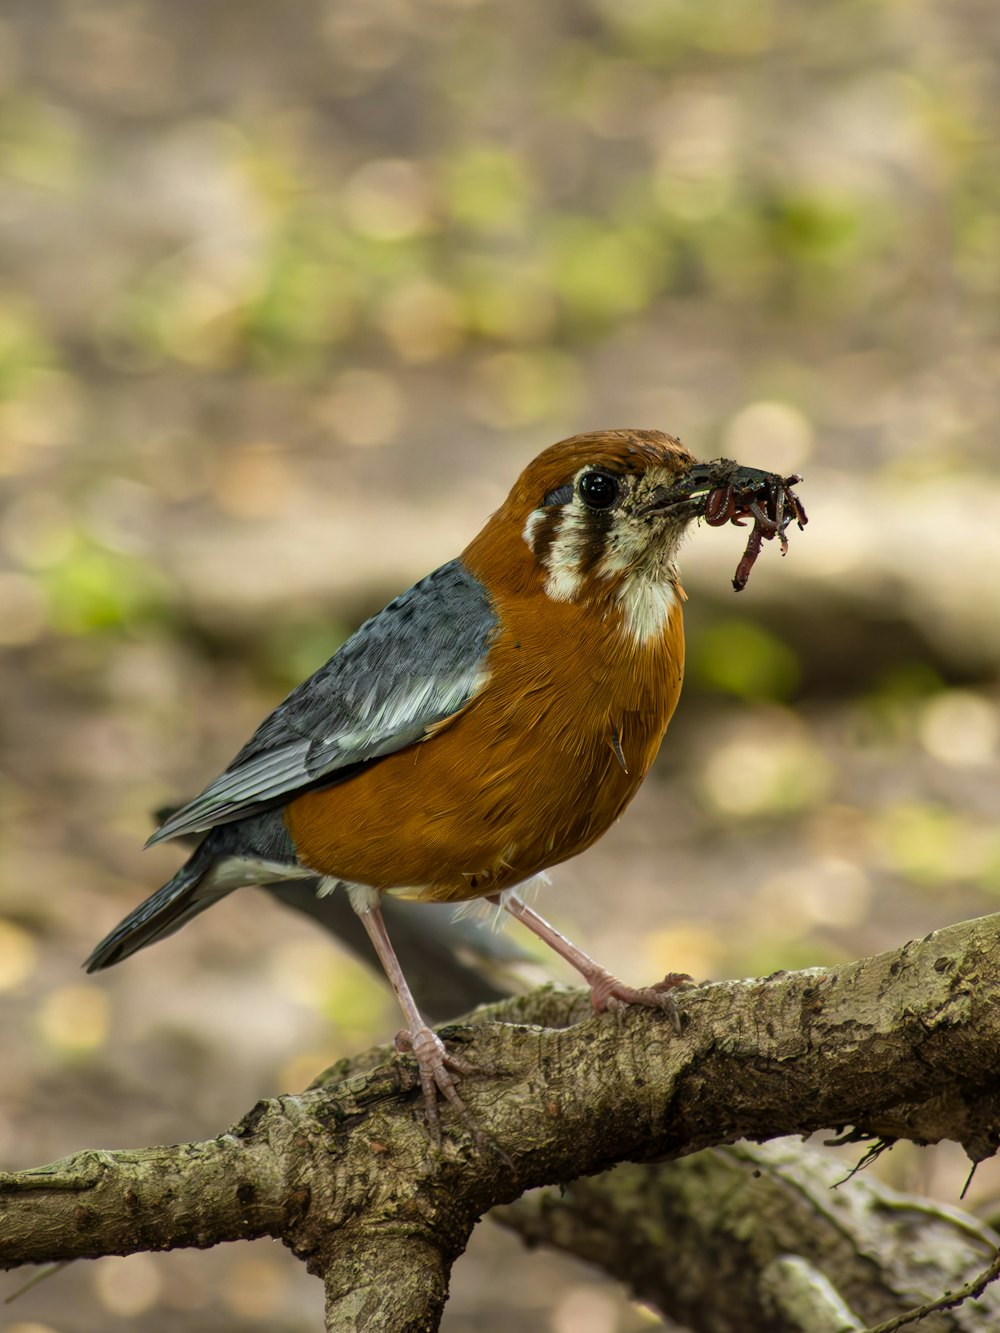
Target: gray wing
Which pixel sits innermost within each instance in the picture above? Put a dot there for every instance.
(417, 662)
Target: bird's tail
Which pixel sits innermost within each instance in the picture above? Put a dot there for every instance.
(160, 915)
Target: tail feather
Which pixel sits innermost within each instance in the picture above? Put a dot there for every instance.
(160, 915)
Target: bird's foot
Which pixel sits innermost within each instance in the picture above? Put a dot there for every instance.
(436, 1065)
(606, 990)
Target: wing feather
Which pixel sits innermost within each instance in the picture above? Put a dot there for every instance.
(416, 663)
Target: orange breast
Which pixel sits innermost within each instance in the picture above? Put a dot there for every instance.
(524, 778)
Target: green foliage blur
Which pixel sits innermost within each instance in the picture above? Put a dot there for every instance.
(477, 196)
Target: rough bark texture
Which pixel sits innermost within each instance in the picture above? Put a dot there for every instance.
(901, 1045)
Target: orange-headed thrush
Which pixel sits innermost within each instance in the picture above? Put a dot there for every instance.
(491, 722)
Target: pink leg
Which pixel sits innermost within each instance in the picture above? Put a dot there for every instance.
(426, 1046)
(603, 986)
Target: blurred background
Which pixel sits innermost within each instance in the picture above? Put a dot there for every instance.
(289, 293)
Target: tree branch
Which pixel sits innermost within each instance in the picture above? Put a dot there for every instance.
(95, 1203)
(901, 1045)
(729, 1221)
(386, 1281)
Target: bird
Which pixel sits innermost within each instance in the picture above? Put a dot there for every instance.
(489, 723)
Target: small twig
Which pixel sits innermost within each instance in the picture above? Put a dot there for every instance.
(946, 1302)
(50, 1270)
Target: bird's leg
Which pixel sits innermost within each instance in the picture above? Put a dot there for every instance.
(603, 985)
(423, 1043)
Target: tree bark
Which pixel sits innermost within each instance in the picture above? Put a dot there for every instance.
(900, 1045)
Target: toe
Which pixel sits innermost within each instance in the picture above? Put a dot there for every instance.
(608, 991)
(436, 1080)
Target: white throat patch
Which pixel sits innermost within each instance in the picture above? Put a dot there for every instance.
(646, 604)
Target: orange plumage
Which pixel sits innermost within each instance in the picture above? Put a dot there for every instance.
(540, 764)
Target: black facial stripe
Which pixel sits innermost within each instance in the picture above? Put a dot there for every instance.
(593, 535)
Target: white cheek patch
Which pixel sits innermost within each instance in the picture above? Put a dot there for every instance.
(563, 557)
(562, 585)
(621, 557)
(531, 527)
(563, 582)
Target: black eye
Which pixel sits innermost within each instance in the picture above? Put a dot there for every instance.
(599, 489)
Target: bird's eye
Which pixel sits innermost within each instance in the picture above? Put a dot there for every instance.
(599, 489)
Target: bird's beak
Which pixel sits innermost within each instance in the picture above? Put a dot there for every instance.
(690, 489)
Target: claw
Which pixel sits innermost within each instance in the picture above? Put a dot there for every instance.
(434, 1062)
(607, 990)
(603, 986)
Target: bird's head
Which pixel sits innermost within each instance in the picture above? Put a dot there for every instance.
(597, 519)
(594, 513)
